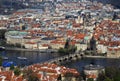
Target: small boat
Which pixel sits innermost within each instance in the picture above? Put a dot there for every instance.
(22, 58)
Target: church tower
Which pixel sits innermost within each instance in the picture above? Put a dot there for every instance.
(93, 45)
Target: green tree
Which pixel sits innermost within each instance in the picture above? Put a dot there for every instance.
(101, 77)
(27, 72)
(117, 78)
(2, 33)
(69, 50)
(90, 79)
(1, 60)
(12, 67)
(33, 77)
(30, 75)
(68, 76)
(17, 71)
(62, 51)
(110, 72)
(18, 45)
(108, 79)
(72, 48)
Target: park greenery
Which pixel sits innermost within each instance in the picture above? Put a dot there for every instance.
(17, 71)
(110, 74)
(30, 75)
(12, 67)
(2, 33)
(1, 60)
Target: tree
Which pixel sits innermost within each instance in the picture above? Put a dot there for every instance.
(30, 75)
(62, 51)
(12, 67)
(68, 76)
(33, 77)
(90, 79)
(110, 72)
(107, 79)
(59, 77)
(68, 49)
(27, 72)
(2, 34)
(117, 75)
(1, 60)
(17, 71)
(117, 78)
(101, 77)
(18, 45)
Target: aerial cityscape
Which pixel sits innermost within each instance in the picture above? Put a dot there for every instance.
(59, 40)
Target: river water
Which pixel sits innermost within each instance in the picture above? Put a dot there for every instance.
(32, 57)
(36, 57)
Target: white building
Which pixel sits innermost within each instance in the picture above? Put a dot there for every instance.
(92, 71)
(101, 48)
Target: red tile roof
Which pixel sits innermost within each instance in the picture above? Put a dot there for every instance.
(105, 32)
(91, 76)
(79, 36)
(9, 76)
(52, 71)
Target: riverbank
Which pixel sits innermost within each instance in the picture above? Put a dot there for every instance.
(32, 50)
(88, 56)
(71, 62)
(53, 51)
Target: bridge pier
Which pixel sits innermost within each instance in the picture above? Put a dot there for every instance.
(67, 58)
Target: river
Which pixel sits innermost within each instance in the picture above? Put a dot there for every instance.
(32, 57)
(36, 57)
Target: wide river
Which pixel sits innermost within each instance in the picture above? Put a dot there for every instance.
(36, 57)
